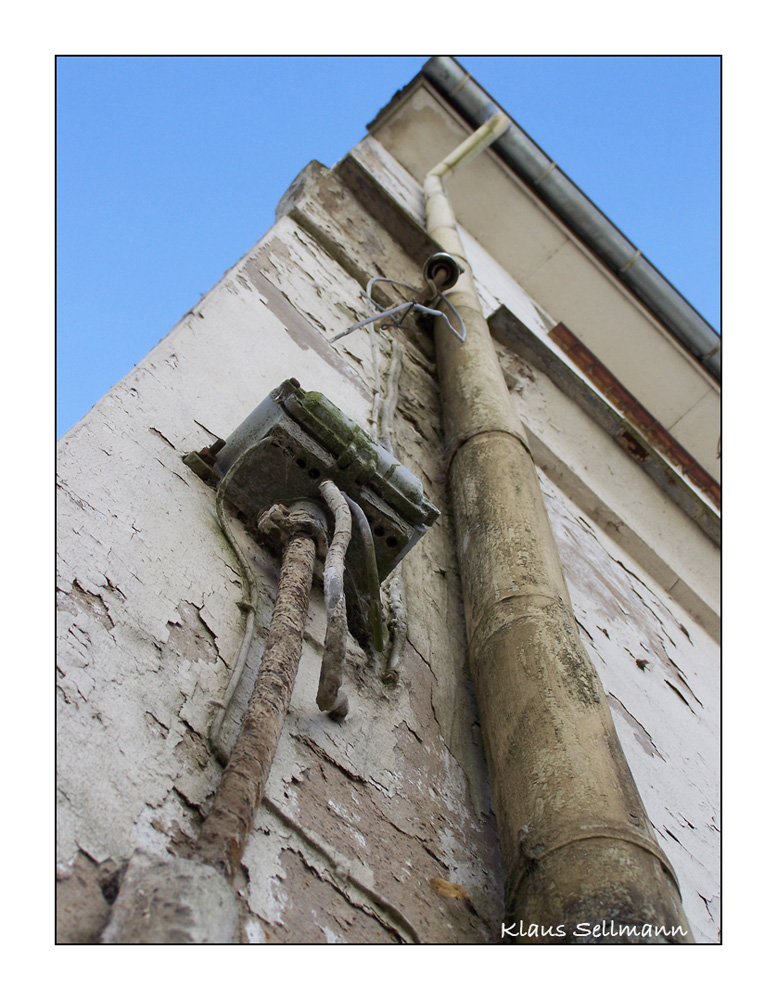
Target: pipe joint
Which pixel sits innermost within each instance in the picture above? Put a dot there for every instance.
(278, 525)
(454, 447)
(532, 852)
(609, 880)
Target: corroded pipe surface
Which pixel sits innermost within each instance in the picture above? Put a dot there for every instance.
(577, 844)
(224, 833)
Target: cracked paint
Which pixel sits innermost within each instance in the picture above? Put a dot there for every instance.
(363, 821)
(146, 653)
(666, 709)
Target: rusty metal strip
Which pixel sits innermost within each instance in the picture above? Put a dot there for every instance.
(641, 419)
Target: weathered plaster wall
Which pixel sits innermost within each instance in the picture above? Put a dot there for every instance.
(365, 823)
(361, 818)
(660, 671)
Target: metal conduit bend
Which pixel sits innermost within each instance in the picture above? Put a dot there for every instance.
(576, 840)
(330, 698)
(371, 572)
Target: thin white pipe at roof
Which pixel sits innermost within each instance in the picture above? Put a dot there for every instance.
(533, 166)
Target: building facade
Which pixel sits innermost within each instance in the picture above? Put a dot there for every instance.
(385, 826)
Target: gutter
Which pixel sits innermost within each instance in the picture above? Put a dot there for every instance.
(534, 167)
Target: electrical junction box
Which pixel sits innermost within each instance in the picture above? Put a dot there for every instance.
(291, 443)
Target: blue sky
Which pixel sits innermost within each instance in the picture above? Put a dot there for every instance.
(169, 170)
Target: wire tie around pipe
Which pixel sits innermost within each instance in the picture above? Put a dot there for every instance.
(409, 307)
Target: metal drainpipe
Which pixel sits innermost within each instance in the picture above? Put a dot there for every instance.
(531, 164)
(576, 841)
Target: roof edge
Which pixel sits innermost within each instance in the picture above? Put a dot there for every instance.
(529, 162)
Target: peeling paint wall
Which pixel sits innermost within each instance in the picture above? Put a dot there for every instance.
(367, 824)
(359, 818)
(658, 668)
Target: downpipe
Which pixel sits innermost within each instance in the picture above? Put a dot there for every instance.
(577, 844)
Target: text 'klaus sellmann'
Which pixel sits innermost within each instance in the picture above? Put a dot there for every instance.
(604, 929)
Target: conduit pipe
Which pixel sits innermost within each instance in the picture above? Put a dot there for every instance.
(224, 832)
(576, 840)
(191, 901)
(329, 697)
